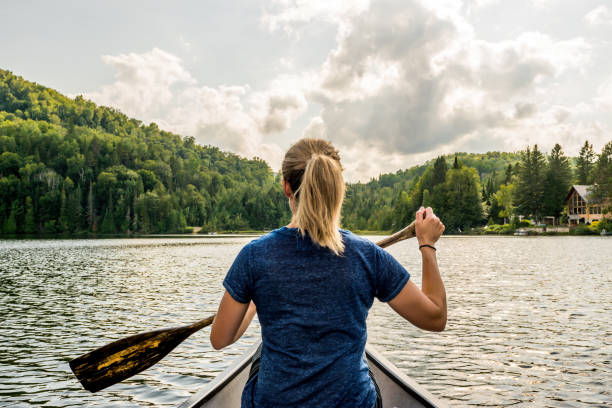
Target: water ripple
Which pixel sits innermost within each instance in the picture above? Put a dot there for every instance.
(529, 319)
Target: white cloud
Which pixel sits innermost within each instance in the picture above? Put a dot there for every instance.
(603, 100)
(290, 15)
(154, 86)
(316, 128)
(435, 81)
(405, 81)
(411, 79)
(143, 82)
(599, 16)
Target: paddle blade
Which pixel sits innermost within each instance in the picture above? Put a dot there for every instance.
(123, 358)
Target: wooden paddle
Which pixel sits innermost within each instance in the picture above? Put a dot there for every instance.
(123, 358)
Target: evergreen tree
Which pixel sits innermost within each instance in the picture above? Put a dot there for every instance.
(508, 175)
(108, 226)
(529, 192)
(426, 199)
(439, 171)
(10, 224)
(460, 207)
(557, 182)
(489, 188)
(584, 164)
(494, 210)
(602, 191)
(74, 211)
(30, 223)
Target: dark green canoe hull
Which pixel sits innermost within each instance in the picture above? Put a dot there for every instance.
(397, 389)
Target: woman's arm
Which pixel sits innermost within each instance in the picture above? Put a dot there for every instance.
(425, 307)
(231, 321)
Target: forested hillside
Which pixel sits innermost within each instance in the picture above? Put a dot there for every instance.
(70, 166)
(387, 203)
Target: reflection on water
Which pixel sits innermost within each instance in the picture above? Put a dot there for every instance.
(529, 319)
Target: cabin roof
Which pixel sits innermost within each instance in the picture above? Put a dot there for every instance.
(583, 190)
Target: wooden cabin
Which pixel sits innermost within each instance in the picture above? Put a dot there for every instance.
(581, 209)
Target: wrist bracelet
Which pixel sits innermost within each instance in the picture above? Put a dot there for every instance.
(428, 246)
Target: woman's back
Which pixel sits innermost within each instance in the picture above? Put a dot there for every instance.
(312, 286)
(312, 306)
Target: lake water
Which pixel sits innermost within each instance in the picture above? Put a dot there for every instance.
(530, 319)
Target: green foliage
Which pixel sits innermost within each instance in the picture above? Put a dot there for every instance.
(557, 182)
(504, 198)
(523, 224)
(29, 222)
(529, 192)
(70, 166)
(604, 225)
(602, 190)
(10, 224)
(499, 229)
(67, 165)
(460, 207)
(390, 201)
(584, 164)
(582, 230)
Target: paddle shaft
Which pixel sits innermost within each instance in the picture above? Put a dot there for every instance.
(126, 357)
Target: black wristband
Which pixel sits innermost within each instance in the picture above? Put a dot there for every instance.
(428, 246)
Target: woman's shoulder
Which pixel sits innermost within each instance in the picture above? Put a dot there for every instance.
(272, 237)
(353, 240)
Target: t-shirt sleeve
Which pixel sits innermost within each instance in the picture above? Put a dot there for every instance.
(391, 276)
(238, 280)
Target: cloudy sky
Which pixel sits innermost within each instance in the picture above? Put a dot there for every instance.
(392, 83)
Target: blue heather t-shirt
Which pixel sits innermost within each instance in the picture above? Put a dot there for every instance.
(312, 306)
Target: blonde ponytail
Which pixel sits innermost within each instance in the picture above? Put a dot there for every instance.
(312, 168)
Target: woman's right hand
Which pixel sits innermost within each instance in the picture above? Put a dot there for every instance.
(428, 226)
(425, 307)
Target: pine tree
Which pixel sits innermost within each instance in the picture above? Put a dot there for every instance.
(529, 192)
(557, 182)
(458, 201)
(508, 178)
(439, 171)
(584, 164)
(602, 190)
(456, 163)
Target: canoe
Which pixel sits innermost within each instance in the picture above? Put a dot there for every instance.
(397, 389)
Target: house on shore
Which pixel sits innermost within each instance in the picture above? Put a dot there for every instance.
(581, 209)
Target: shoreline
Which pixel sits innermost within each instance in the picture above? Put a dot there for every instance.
(254, 233)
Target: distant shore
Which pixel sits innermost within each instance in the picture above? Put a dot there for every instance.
(480, 231)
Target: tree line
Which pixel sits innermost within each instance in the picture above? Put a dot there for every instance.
(70, 166)
(538, 186)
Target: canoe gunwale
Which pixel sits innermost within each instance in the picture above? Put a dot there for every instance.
(224, 378)
(407, 384)
(410, 386)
